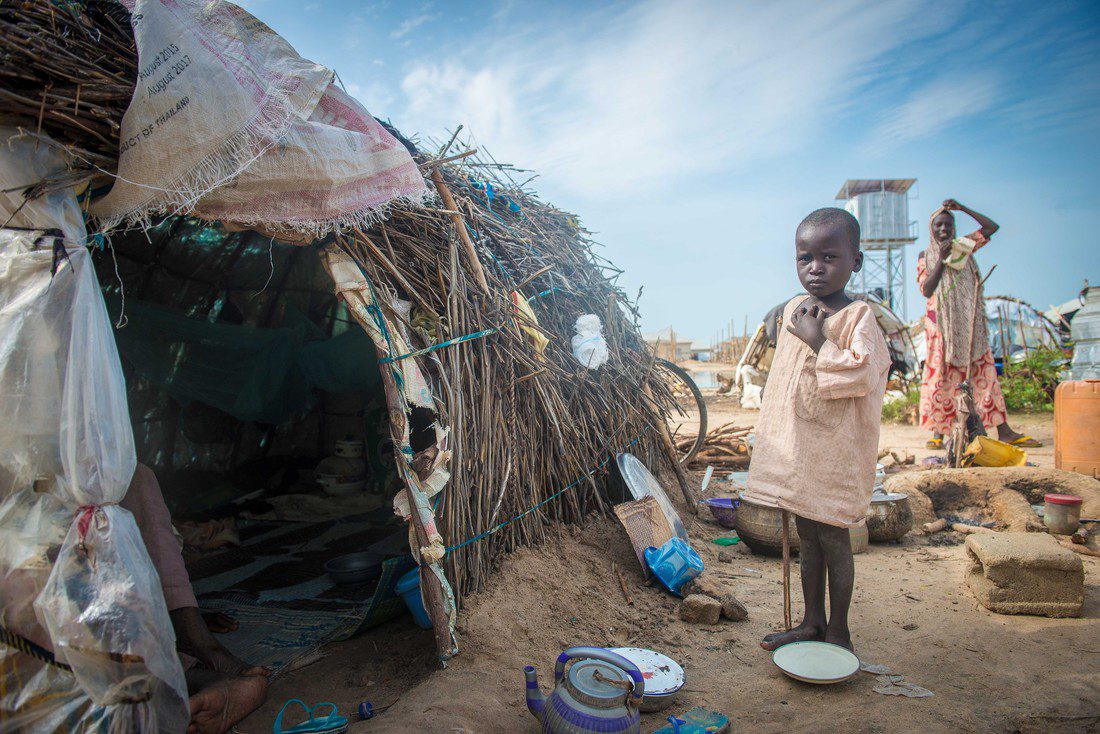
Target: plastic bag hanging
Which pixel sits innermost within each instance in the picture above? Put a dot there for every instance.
(35, 695)
(101, 604)
(589, 346)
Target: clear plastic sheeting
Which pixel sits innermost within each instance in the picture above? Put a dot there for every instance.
(63, 415)
(26, 160)
(1016, 327)
(63, 409)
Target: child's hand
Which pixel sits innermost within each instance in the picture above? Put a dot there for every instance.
(808, 324)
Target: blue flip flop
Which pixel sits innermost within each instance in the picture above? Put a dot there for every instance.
(333, 723)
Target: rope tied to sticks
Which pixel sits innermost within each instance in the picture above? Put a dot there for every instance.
(459, 339)
(440, 345)
(547, 292)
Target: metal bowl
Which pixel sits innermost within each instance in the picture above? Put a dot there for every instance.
(355, 568)
(652, 704)
(760, 527)
(660, 671)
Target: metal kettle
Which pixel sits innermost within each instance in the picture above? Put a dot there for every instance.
(600, 693)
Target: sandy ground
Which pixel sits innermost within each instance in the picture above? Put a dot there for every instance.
(911, 611)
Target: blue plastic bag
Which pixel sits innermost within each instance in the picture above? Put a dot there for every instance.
(674, 563)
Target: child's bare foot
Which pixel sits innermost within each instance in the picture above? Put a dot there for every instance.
(221, 660)
(838, 635)
(801, 633)
(220, 705)
(193, 637)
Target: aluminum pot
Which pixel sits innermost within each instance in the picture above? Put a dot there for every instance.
(889, 517)
(761, 528)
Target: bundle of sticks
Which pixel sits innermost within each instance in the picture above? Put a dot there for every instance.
(723, 448)
(70, 67)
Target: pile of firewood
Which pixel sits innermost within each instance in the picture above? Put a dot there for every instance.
(725, 447)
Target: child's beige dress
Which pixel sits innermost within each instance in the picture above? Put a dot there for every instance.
(817, 439)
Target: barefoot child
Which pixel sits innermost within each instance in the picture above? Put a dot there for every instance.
(817, 439)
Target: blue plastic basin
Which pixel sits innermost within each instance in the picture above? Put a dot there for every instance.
(408, 588)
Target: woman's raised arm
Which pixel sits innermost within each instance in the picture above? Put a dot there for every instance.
(988, 225)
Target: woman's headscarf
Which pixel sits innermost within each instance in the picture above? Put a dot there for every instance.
(960, 302)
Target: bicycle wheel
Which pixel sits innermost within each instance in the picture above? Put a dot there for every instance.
(690, 407)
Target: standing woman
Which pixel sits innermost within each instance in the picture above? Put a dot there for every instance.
(949, 279)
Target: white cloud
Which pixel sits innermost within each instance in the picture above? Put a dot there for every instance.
(378, 98)
(937, 106)
(658, 92)
(1024, 68)
(411, 24)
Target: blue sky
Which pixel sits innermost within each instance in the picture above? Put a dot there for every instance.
(693, 136)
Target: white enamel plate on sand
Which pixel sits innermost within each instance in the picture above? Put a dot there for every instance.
(816, 662)
(663, 676)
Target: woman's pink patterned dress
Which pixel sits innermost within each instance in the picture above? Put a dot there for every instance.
(940, 380)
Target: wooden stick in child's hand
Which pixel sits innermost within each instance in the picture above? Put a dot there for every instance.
(786, 571)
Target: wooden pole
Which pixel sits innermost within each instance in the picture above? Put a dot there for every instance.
(970, 341)
(429, 582)
(744, 339)
(786, 570)
(460, 226)
(1020, 319)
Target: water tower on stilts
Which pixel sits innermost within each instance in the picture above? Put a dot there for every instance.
(882, 207)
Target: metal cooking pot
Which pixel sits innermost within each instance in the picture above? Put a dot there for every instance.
(761, 528)
(355, 568)
(889, 517)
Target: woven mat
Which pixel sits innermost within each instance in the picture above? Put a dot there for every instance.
(275, 586)
(645, 525)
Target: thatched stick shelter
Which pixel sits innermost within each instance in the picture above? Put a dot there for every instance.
(464, 291)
